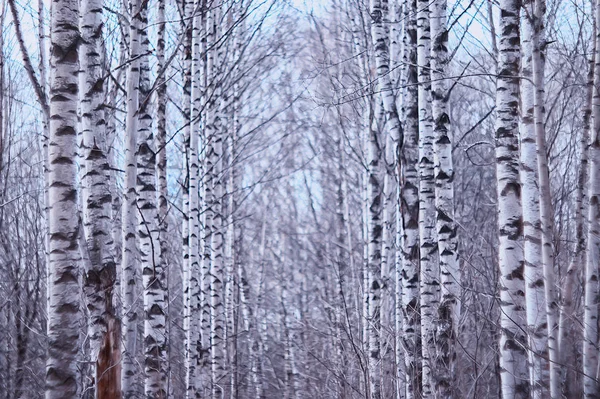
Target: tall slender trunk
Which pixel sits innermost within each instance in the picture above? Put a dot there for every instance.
(189, 310)
(514, 376)
(449, 309)
(161, 169)
(100, 277)
(207, 211)
(537, 18)
(532, 225)
(408, 263)
(429, 259)
(195, 385)
(214, 132)
(389, 146)
(129, 258)
(373, 269)
(152, 264)
(590, 318)
(63, 223)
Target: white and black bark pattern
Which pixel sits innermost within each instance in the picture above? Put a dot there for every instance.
(449, 309)
(532, 225)
(429, 260)
(193, 221)
(590, 319)
(384, 82)
(63, 224)
(153, 270)
(537, 19)
(214, 155)
(215, 152)
(514, 376)
(397, 68)
(207, 212)
(375, 228)
(409, 212)
(161, 160)
(100, 275)
(188, 309)
(129, 258)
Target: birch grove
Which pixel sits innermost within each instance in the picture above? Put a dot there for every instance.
(299, 199)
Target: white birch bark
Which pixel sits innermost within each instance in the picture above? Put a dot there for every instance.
(429, 260)
(390, 140)
(194, 339)
(373, 269)
(63, 224)
(449, 309)
(590, 319)
(100, 276)
(513, 364)
(214, 156)
(384, 82)
(161, 166)
(537, 18)
(153, 270)
(129, 261)
(207, 212)
(408, 264)
(535, 298)
(188, 298)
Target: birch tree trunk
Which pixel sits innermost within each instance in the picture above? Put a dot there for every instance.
(379, 38)
(194, 383)
(384, 82)
(129, 260)
(449, 310)
(161, 166)
(537, 18)
(63, 223)
(590, 326)
(532, 225)
(514, 375)
(153, 270)
(429, 258)
(189, 310)
(373, 269)
(99, 278)
(408, 265)
(214, 154)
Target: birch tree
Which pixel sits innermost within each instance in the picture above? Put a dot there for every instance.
(537, 17)
(429, 279)
(153, 269)
(129, 260)
(409, 211)
(532, 225)
(513, 364)
(100, 275)
(63, 224)
(449, 309)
